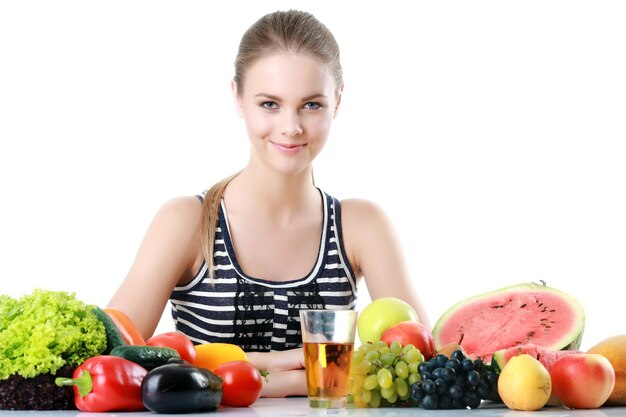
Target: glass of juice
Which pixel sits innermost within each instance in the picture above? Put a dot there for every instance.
(328, 337)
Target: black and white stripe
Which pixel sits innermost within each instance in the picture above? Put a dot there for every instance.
(257, 314)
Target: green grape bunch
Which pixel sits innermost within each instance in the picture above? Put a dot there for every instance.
(382, 375)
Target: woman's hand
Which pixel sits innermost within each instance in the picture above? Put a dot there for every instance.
(286, 372)
(280, 384)
(286, 360)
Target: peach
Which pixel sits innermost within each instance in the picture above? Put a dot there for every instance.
(614, 349)
(411, 332)
(585, 380)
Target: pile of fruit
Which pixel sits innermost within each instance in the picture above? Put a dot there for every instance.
(518, 345)
(383, 374)
(397, 364)
(456, 382)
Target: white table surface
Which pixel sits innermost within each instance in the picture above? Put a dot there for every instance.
(270, 407)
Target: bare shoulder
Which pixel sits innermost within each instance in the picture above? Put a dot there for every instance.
(365, 227)
(181, 212)
(182, 205)
(363, 221)
(176, 226)
(358, 213)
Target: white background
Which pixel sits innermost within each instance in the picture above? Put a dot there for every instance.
(493, 134)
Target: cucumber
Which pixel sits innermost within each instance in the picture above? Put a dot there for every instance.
(149, 357)
(114, 337)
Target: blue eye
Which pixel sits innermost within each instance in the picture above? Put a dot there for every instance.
(311, 105)
(269, 105)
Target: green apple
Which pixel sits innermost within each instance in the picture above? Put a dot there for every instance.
(381, 314)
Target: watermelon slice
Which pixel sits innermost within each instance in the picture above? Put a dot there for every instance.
(547, 357)
(512, 316)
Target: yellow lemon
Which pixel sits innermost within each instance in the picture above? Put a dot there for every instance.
(212, 355)
(524, 384)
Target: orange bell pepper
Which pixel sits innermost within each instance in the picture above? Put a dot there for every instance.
(212, 355)
(125, 325)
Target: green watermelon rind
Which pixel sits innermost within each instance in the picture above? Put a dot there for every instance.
(571, 341)
(497, 359)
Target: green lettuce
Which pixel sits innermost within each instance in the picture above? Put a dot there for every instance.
(45, 330)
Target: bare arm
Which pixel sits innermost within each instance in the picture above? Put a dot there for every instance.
(164, 259)
(375, 253)
(286, 372)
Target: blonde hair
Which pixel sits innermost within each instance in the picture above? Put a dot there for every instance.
(283, 31)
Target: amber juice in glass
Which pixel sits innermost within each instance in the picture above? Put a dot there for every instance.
(328, 369)
(328, 337)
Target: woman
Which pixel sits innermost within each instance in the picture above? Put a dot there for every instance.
(275, 242)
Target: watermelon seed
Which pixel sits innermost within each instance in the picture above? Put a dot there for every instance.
(523, 305)
(552, 311)
(543, 319)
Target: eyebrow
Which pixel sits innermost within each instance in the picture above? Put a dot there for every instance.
(307, 98)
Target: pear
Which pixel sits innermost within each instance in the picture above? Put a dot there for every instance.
(449, 348)
(524, 384)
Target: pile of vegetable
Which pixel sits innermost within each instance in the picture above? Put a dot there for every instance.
(60, 353)
(164, 374)
(42, 335)
(46, 330)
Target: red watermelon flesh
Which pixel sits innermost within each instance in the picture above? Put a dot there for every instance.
(547, 357)
(512, 316)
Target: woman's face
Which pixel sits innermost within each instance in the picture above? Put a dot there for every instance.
(288, 103)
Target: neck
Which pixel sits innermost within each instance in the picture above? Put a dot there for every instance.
(273, 193)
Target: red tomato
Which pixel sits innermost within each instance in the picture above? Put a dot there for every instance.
(177, 341)
(242, 383)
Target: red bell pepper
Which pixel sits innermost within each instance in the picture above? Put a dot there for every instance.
(107, 383)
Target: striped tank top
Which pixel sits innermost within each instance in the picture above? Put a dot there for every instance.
(257, 314)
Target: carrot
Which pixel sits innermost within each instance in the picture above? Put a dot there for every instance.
(126, 327)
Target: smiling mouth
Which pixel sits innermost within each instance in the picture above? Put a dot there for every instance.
(289, 147)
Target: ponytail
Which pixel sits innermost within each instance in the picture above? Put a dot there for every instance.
(210, 213)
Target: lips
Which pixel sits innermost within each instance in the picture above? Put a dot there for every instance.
(289, 148)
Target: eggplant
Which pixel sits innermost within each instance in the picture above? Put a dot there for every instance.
(181, 388)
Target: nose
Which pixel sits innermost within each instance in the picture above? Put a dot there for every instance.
(291, 125)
